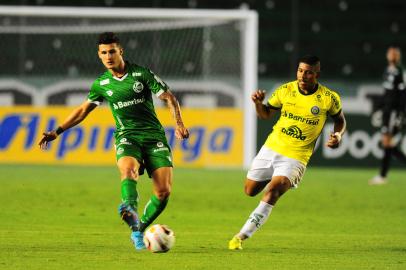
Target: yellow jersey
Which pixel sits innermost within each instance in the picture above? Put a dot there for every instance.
(302, 119)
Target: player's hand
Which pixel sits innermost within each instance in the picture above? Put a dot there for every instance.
(46, 138)
(258, 96)
(334, 140)
(181, 132)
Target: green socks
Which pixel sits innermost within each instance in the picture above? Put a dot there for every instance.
(152, 210)
(129, 194)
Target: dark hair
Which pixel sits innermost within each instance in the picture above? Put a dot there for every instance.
(394, 46)
(309, 59)
(108, 38)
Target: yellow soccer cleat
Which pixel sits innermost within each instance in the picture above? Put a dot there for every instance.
(235, 243)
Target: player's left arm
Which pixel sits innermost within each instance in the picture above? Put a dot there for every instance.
(181, 132)
(161, 90)
(340, 125)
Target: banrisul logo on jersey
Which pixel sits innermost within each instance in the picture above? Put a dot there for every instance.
(124, 104)
(294, 132)
(138, 87)
(309, 121)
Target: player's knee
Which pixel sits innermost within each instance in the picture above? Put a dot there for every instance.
(280, 187)
(250, 191)
(386, 144)
(128, 172)
(163, 191)
(387, 141)
(163, 194)
(128, 168)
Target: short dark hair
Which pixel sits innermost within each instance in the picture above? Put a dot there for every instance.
(394, 47)
(309, 59)
(108, 38)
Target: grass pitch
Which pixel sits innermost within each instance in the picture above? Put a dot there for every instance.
(55, 217)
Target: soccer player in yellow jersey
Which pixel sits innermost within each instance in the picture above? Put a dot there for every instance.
(280, 164)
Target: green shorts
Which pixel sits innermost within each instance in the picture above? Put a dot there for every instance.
(152, 152)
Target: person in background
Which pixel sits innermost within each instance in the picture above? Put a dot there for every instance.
(394, 106)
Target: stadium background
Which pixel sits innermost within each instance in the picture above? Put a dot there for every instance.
(350, 37)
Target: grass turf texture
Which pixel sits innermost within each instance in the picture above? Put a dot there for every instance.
(55, 217)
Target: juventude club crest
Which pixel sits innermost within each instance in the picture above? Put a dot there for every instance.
(161, 147)
(120, 151)
(138, 87)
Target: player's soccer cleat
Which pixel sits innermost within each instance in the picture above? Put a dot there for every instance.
(235, 243)
(137, 238)
(378, 180)
(129, 215)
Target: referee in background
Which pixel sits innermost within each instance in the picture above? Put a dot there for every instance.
(394, 107)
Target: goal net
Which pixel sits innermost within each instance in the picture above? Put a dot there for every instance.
(207, 57)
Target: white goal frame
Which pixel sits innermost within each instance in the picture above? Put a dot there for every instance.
(249, 44)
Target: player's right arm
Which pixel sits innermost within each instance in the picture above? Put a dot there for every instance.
(264, 111)
(75, 117)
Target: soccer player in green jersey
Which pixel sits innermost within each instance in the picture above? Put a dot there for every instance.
(140, 140)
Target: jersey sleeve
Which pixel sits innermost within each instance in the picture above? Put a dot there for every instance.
(335, 106)
(155, 84)
(94, 96)
(275, 99)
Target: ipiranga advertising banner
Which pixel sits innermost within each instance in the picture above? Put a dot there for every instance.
(216, 137)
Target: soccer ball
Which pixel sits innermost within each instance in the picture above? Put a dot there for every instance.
(159, 238)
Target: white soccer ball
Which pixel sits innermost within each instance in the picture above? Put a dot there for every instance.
(159, 238)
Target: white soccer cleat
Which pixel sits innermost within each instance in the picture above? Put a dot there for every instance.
(378, 180)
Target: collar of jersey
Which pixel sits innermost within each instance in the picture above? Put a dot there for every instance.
(297, 88)
(120, 79)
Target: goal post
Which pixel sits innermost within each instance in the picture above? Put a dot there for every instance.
(210, 52)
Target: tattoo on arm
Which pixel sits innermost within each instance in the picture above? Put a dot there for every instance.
(174, 107)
